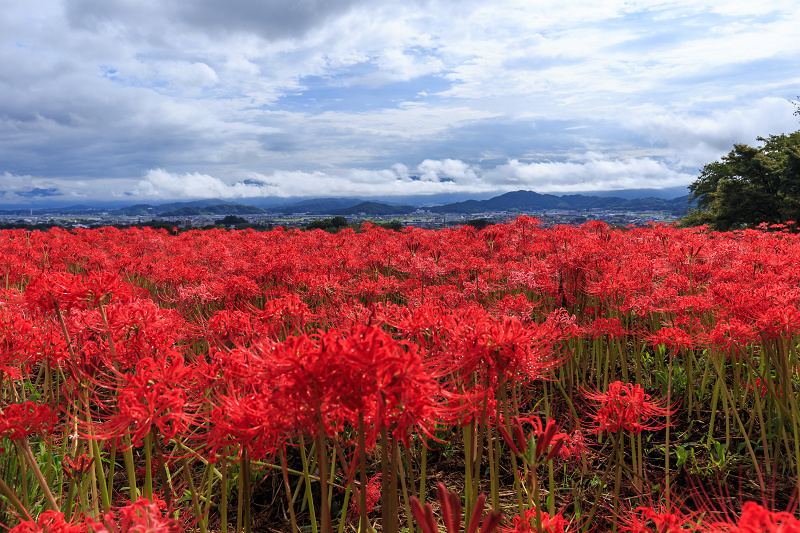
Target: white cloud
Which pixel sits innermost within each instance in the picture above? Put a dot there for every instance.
(699, 138)
(448, 169)
(12, 183)
(595, 173)
(159, 183)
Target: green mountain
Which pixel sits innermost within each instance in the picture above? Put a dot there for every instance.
(148, 209)
(325, 206)
(375, 209)
(212, 210)
(523, 201)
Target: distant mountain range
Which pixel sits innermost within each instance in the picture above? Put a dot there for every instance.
(522, 201)
(517, 201)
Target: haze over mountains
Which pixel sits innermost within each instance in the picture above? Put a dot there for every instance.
(517, 201)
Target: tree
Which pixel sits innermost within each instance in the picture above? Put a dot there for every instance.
(478, 223)
(232, 220)
(750, 186)
(331, 225)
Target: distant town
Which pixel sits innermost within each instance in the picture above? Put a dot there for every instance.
(337, 213)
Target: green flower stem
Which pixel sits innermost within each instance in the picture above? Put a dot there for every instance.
(248, 522)
(494, 465)
(209, 479)
(98, 474)
(148, 466)
(362, 461)
(403, 487)
(31, 460)
(345, 505)
(240, 502)
(759, 401)
(287, 486)
(307, 476)
(469, 505)
(130, 468)
(537, 517)
(423, 469)
(163, 473)
(667, 491)
(223, 500)
(747, 442)
(111, 467)
(514, 467)
(392, 526)
(596, 505)
(192, 491)
(23, 475)
(72, 486)
(468, 433)
(8, 493)
(322, 464)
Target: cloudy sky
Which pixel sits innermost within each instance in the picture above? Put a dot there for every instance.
(151, 100)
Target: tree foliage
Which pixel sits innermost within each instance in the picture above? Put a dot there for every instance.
(331, 225)
(750, 185)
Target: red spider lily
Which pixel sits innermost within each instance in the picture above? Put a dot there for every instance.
(779, 319)
(626, 407)
(113, 338)
(574, 446)
(373, 497)
(610, 327)
(763, 387)
(755, 518)
(154, 394)
(427, 325)
(51, 522)
(77, 467)
(282, 317)
(108, 287)
(16, 335)
(731, 335)
(20, 420)
(139, 517)
(56, 289)
(542, 439)
(363, 371)
(550, 524)
(503, 347)
(450, 504)
(246, 420)
(658, 519)
(516, 305)
(334, 376)
(231, 326)
(674, 338)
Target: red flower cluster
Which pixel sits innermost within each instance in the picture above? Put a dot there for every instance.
(138, 517)
(547, 440)
(755, 518)
(243, 341)
(20, 420)
(626, 407)
(550, 524)
(51, 522)
(373, 497)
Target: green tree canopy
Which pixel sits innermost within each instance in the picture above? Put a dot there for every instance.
(750, 186)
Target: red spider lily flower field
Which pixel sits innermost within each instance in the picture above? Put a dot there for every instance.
(516, 378)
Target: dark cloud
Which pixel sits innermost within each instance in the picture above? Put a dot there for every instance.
(273, 19)
(270, 19)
